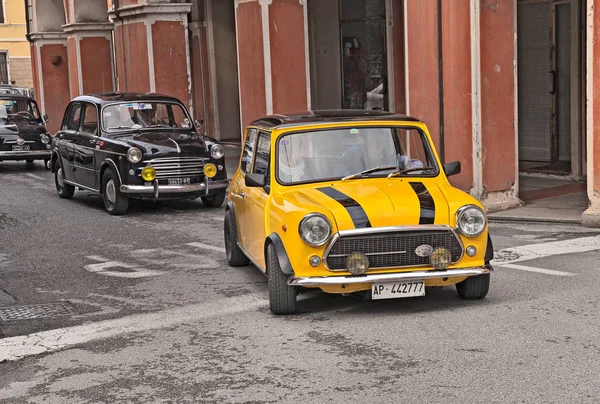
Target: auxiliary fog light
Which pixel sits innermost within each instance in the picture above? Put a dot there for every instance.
(471, 251)
(148, 173)
(440, 258)
(314, 261)
(210, 170)
(357, 263)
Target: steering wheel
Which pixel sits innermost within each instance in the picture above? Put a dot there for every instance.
(25, 114)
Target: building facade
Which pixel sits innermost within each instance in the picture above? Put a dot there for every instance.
(504, 85)
(15, 60)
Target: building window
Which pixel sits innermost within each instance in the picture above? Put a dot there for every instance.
(2, 12)
(3, 68)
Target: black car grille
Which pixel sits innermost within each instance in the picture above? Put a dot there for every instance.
(176, 167)
(394, 249)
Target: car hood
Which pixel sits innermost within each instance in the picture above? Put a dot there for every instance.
(27, 130)
(159, 143)
(374, 203)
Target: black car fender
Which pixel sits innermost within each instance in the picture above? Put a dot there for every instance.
(284, 260)
(489, 251)
(54, 160)
(106, 164)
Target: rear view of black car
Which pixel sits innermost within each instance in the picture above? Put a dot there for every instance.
(23, 134)
(126, 146)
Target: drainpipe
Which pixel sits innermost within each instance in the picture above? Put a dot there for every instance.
(116, 7)
(202, 71)
(441, 81)
(27, 26)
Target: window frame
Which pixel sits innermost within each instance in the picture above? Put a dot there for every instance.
(263, 134)
(72, 105)
(254, 143)
(85, 106)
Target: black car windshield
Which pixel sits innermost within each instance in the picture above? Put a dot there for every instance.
(18, 109)
(353, 153)
(139, 115)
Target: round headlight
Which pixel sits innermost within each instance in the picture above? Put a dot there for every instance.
(217, 151)
(470, 220)
(45, 138)
(148, 173)
(315, 229)
(134, 155)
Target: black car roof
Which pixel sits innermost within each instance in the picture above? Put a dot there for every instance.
(104, 98)
(16, 96)
(329, 116)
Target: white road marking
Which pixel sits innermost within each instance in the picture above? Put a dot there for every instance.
(103, 268)
(207, 247)
(538, 270)
(37, 177)
(541, 250)
(15, 348)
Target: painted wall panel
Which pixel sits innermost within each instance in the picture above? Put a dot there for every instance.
(170, 63)
(73, 76)
(96, 65)
(56, 84)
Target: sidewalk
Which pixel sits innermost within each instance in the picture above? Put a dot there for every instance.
(547, 199)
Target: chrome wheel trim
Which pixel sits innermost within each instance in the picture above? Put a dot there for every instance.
(111, 191)
(59, 178)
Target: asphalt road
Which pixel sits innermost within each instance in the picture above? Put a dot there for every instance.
(143, 309)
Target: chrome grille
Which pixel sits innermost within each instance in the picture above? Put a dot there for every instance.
(176, 167)
(393, 249)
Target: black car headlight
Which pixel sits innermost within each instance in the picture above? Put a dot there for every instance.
(217, 151)
(44, 138)
(470, 220)
(314, 229)
(134, 155)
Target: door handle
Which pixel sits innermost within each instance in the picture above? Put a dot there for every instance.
(92, 141)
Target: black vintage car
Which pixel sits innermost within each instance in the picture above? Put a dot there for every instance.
(141, 146)
(23, 134)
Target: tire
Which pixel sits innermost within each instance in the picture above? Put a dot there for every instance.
(235, 255)
(47, 164)
(474, 287)
(63, 189)
(114, 202)
(214, 200)
(282, 297)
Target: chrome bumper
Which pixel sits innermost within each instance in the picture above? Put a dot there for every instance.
(26, 154)
(174, 189)
(391, 277)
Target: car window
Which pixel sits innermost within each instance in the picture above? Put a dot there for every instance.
(90, 120)
(261, 161)
(73, 118)
(151, 115)
(248, 150)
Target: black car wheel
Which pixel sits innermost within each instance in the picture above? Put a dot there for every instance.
(114, 202)
(282, 297)
(47, 164)
(214, 200)
(474, 287)
(63, 189)
(235, 255)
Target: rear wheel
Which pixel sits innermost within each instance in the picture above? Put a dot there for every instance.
(114, 202)
(235, 255)
(282, 297)
(474, 287)
(214, 200)
(63, 189)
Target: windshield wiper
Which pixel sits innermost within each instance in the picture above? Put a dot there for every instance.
(119, 127)
(159, 125)
(408, 170)
(370, 170)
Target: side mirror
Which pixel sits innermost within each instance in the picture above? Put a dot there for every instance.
(45, 118)
(452, 168)
(199, 123)
(255, 180)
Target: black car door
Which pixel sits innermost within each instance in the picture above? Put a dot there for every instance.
(86, 141)
(66, 139)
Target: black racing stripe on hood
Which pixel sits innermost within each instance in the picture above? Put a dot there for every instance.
(426, 202)
(357, 213)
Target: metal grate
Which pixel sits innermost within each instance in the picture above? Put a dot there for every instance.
(176, 167)
(392, 250)
(35, 311)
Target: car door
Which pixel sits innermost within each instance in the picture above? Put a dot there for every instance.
(86, 140)
(240, 191)
(257, 199)
(66, 139)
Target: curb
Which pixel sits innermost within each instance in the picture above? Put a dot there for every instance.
(532, 219)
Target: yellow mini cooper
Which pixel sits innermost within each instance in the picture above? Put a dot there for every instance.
(353, 201)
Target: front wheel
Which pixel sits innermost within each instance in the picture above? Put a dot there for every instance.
(214, 200)
(474, 287)
(63, 189)
(235, 255)
(282, 297)
(114, 202)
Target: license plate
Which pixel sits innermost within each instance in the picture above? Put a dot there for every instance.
(395, 290)
(179, 181)
(21, 148)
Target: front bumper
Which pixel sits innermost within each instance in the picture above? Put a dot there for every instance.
(157, 189)
(389, 277)
(25, 155)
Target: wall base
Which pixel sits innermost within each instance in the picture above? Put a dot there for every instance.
(502, 200)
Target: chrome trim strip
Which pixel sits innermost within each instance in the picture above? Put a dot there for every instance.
(403, 276)
(176, 160)
(144, 189)
(113, 165)
(379, 253)
(81, 186)
(26, 153)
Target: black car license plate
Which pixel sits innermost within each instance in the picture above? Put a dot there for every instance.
(179, 181)
(21, 148)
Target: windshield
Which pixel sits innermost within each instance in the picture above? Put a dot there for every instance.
(138, 115)
(340, 153)
(19, 110)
